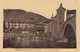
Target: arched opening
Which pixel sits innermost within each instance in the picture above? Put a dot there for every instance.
(70, 35)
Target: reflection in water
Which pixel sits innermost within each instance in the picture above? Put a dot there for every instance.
(37, 42)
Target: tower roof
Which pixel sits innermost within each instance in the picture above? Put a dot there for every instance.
(61, 7)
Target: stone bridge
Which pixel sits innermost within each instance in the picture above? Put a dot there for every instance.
(69, 29)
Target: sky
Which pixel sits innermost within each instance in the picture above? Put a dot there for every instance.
(42, 7)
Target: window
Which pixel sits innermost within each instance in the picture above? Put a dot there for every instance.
(12, 25)
(15, 25)
(60, 16)
(60, 10)
(19, 25)
(60, 23)
(25, 25)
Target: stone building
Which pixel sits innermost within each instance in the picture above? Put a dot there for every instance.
(56, 24)
(60, 29)
(55, 27)
(17, 19)
(39, 28)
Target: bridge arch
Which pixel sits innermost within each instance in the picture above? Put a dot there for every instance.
(69, 33)
(69, 30)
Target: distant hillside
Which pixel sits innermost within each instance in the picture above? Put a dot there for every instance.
(18, 15)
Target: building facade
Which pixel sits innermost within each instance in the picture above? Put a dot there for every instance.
(35, 24)
(20, 20)
(56, 24)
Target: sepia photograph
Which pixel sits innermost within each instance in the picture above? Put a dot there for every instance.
(39, 26)
(28, 29)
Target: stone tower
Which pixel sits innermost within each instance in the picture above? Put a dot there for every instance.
(60, 18)
(56, 24)
(60, 14)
